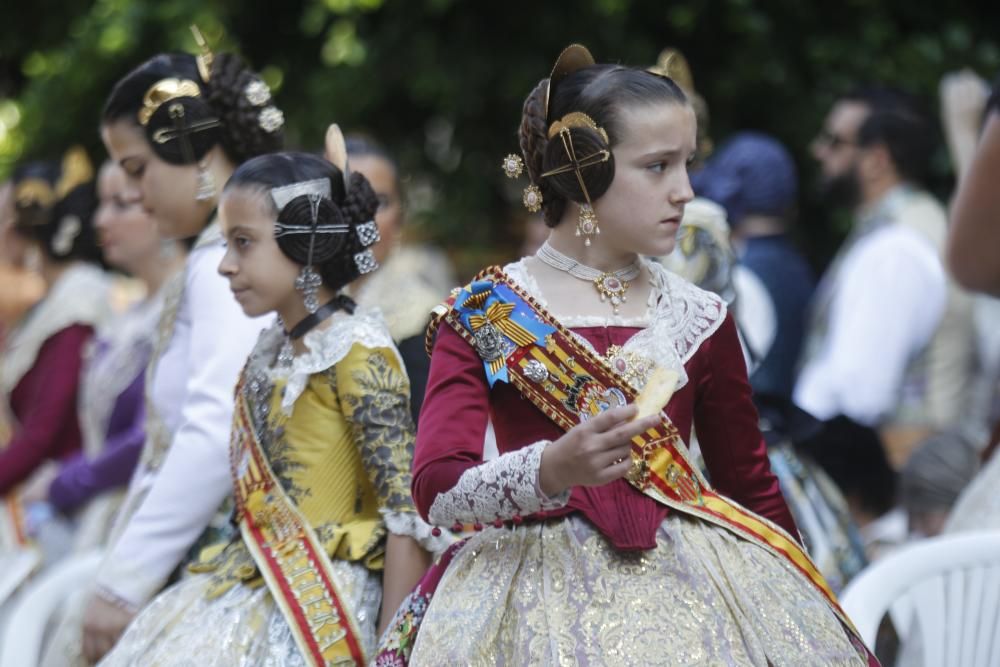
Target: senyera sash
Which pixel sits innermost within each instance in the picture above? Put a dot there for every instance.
(288, 553)
(522, 344)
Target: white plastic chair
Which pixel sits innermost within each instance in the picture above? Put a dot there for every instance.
(949, 584)
(21, 642)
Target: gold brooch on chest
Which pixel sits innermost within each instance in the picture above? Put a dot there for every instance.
(634, 367)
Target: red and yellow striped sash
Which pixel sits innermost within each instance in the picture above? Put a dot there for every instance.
(568, 383)
(288, 553)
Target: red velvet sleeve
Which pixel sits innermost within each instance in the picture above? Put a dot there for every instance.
(726, 423)
(453, 420)
(50, 402)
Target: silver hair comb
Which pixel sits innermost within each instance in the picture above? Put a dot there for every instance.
(318, 188)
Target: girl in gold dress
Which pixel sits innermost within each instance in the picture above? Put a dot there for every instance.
(321, 444)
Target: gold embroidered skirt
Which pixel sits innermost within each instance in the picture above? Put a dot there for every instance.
(557, 594)
(182, 627)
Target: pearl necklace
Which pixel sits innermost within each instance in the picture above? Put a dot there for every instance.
(611, 286)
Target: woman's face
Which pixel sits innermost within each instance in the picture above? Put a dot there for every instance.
(166, 191)
(389, 216)
(127, 234)
(641, 211)
(261, 277)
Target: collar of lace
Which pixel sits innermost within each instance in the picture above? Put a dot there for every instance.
(679, 318)
(325, 347)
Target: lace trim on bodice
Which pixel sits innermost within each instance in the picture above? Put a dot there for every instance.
(325, 347)
(677, 311)
(502, 488)
(409, 524)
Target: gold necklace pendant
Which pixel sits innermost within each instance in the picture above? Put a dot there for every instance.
(612, 288)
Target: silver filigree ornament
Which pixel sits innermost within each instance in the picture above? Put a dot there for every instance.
(489, 342)
(536, 371)
(257, 93)
(365, 261)
(368, 233)
(271, 119)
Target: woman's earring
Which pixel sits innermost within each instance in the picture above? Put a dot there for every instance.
(308, 283)
(206, 184)
(586, 226)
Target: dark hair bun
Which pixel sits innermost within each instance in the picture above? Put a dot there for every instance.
(600, 92)
(597, 177)
(176, 117)
(248, 129)
(298, 214)
(335, 255)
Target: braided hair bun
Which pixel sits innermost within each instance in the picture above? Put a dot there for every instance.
(599, 92)
(233, 108)
(335, 249)
(251, 124)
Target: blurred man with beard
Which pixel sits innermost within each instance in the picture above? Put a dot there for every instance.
(890, 338)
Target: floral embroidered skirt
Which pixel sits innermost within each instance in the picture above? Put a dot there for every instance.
(182, 627)
(556, 593)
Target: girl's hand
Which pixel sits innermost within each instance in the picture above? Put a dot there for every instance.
(593, 452)
(103, 623)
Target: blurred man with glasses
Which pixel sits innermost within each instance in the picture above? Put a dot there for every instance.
(890, 340)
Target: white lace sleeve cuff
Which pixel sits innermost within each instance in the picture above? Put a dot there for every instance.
(409, 524)
(501, 489)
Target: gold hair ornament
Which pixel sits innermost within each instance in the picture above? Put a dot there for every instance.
(206, 57)
(574, 57)
(76, 170)
(587, 224)
(513, 166)
(162, 92)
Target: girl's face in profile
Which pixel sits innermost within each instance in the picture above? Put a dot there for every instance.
(166, 191)
(641, 211)
(128, 236)
(261, 277)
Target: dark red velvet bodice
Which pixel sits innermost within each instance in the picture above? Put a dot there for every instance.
(716, 399)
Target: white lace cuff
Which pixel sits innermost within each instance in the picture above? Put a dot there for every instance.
(409, 524)
(497, 490)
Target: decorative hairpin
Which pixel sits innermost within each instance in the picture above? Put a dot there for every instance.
(574, 57)
(365, 261)
(587, 225)
(76, 169)
(513, 166)
(319, 187)
(206, 57)
(368, 233)
(257, 92)
(164, 91)
(271, 119)
(308, 281)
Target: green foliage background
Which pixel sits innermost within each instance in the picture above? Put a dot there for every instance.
(441, 81)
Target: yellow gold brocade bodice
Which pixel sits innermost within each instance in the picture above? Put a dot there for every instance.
(341, 448)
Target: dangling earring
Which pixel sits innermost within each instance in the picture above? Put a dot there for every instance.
(308, 283)
(286, 355)
(206, 184)
(586, 226)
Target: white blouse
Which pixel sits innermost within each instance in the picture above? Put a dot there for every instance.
(193, 393)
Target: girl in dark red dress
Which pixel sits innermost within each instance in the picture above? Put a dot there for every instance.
(595, 540)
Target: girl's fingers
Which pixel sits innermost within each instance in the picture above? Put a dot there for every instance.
(609, 419)
(617, 470)
(625, 432)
